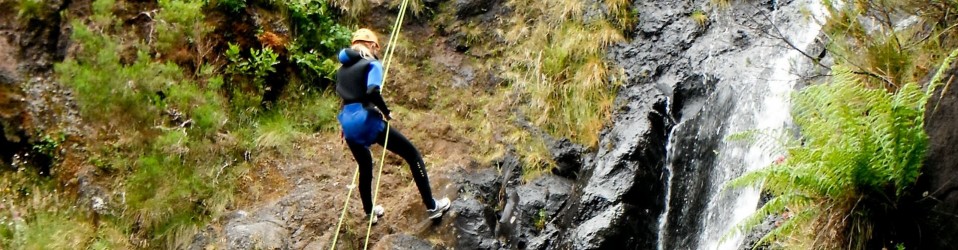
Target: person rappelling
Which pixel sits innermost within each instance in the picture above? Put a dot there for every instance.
(365, 117)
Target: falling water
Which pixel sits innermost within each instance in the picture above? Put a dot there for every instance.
(757, 102)
(768, 106)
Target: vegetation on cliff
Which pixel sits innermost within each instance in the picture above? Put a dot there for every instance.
(862, 140)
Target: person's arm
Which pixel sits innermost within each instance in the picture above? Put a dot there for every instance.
(374, 85)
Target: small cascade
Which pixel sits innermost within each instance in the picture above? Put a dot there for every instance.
(700, 212)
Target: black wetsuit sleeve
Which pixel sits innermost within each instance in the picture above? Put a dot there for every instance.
(376, 98)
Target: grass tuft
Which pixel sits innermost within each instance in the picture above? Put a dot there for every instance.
(699, 17)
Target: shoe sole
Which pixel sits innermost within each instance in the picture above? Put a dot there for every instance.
(438, 215)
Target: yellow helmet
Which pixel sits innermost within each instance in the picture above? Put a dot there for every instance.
(365, 35)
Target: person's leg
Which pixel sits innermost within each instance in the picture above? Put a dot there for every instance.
(398, 144)
(365, 161)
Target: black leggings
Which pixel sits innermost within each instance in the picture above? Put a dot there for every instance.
(398, 144)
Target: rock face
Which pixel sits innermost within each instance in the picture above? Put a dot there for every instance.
(262, 233)
(465, 8)
(568, 157)
(619, 197)
(687, 85)
(936, 191)
(402, 242)
(495, 211)
(474, 223)
(31, 103)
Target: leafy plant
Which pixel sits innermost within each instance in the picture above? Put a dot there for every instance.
(861, 148)
(318, 39)
(230, 6)
(180, 25)
(312, 65)
(316, 28)
(541, 219)
(248, 75)
(50, 146)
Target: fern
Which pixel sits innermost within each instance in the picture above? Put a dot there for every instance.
(861, 148)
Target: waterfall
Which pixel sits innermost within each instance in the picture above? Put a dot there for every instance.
(699, 211)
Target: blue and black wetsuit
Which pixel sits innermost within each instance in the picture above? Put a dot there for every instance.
(358, 83)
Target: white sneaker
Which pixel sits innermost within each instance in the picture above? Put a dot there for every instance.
(379, 211)
(441, 206)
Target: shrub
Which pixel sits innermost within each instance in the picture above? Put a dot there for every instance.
(248, 75)
(318, 39)
(312, 66)
(230, 6)
(861, 148)
(179, 24)
(315, 26)
(165, 156)
(204, 108)
(109, 91)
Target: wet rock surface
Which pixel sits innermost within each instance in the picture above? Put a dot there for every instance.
(474, 223)
(496, 209)
(618, 197)
(568, 156)
(467, 8)
(673, 94)
(928, 218)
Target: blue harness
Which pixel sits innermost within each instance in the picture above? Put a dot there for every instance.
(359, 125)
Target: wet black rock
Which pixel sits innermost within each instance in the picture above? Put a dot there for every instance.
(568, 158)
(487, 184)
(741, 38)
(929, 221)
(483, 185)
(543, 198)
(692, 169)
(467, 8)
(619, 196)
(494, 211)
(689, 97)
(547, 239)
(539, 204)
(473, 222)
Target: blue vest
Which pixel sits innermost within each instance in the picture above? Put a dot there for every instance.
(360, 124)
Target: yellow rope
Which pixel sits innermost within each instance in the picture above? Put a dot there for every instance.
(343, 215)
(382, 161)
(390, 48)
